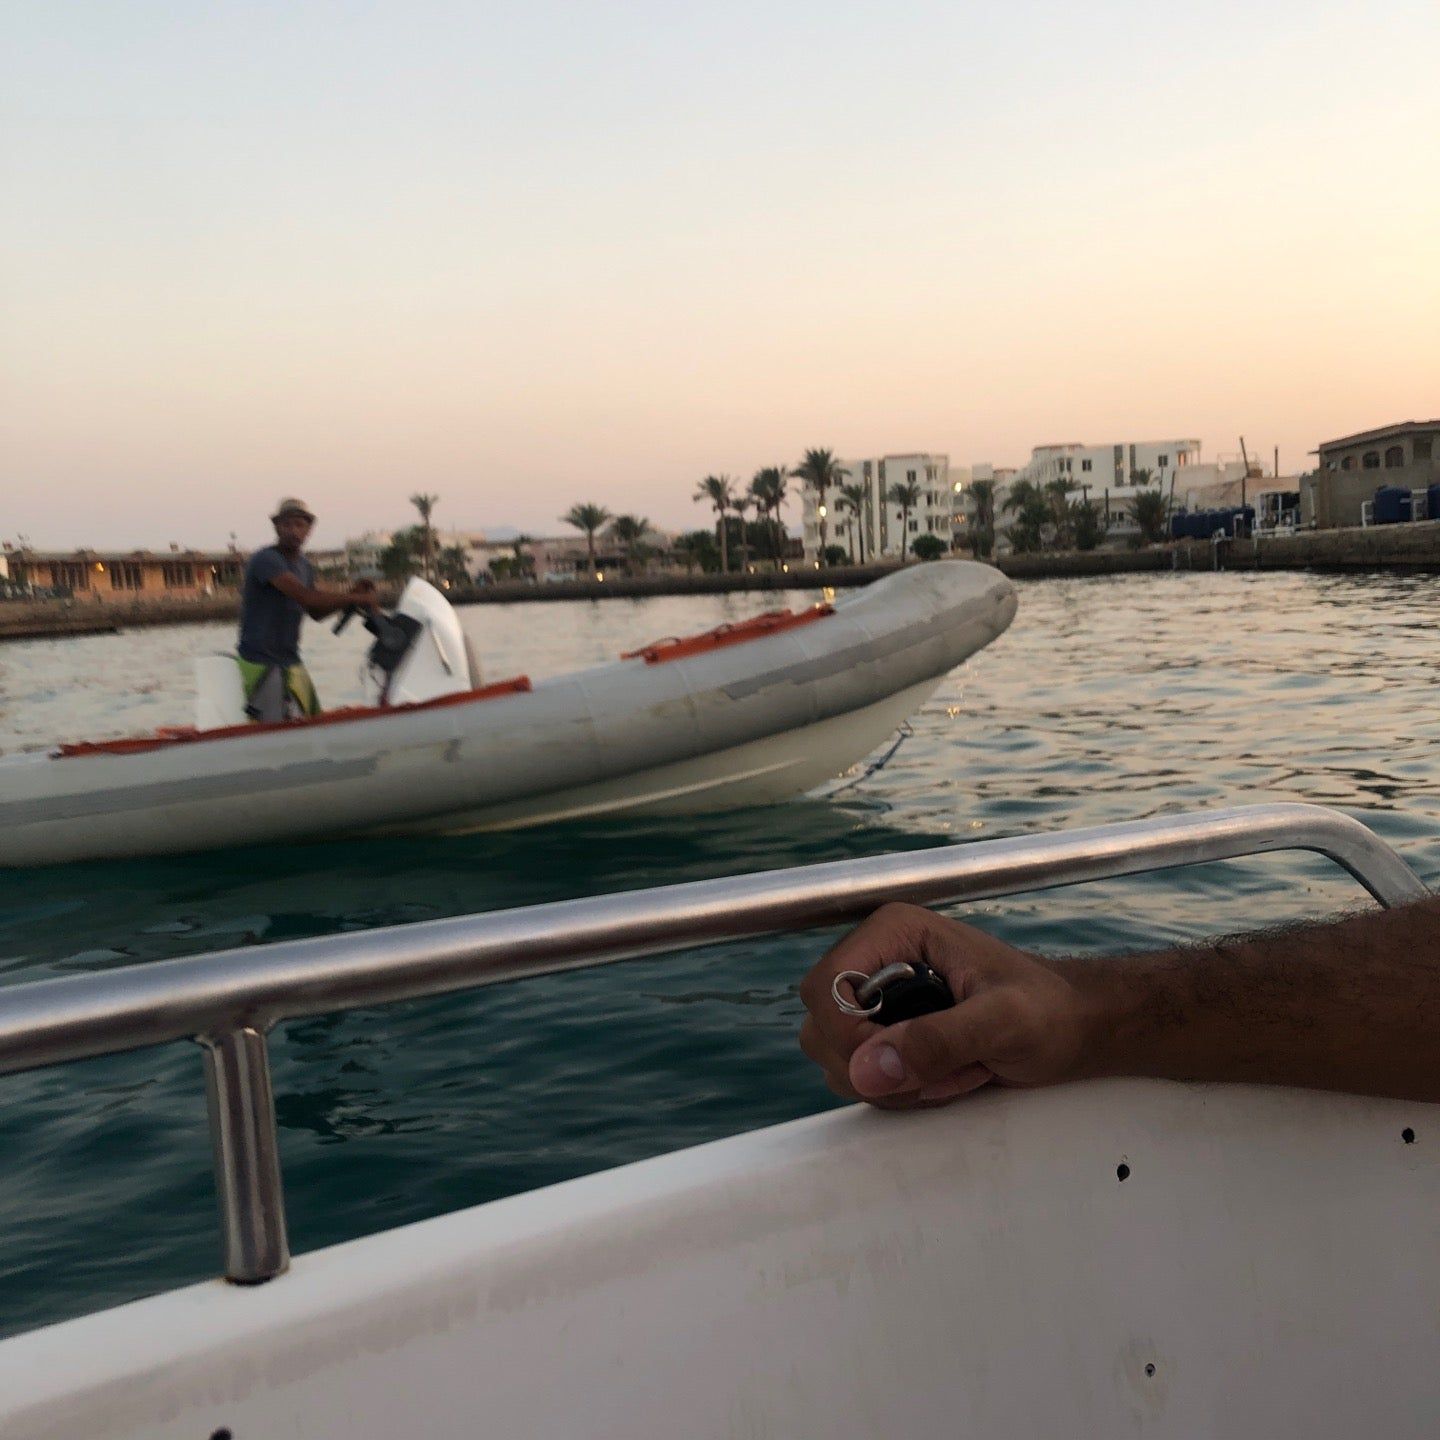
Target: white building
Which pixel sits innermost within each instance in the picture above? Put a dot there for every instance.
(879, 531)
(1107, 475)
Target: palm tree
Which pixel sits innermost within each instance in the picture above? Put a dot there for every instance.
(854, 497)
(982, 537)
(821, 472)
(768, 487)
(741, 504)
(1032, 514)
(1147, 509)
(1058, 494)
(628, 531)
(716, 489)
(426, 504)
(588, 518)
(524, 564)
(907, 496)
(452, 565)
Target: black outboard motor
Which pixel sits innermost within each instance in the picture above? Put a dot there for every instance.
(394, 635)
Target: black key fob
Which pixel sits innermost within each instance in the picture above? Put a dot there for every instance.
(898, 992)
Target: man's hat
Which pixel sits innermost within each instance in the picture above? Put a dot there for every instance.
(291, 506)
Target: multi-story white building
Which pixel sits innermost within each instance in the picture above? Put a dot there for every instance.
(879, 530)
(1111, 475)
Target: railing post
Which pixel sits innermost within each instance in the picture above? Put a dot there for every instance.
(247, 1156)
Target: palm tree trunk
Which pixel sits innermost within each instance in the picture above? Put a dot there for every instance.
(723, 530)
(821, 507)
(590, 548)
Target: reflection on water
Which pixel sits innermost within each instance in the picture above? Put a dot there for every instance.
(1108, 700)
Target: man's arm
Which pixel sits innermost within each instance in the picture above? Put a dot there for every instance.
(320, 603)
(1350, 1005)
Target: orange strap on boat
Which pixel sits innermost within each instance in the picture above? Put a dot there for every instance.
(770, 623)
(189, 735)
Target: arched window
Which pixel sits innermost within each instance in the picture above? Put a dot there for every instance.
(1347, 463)
(1370, 460)
(1394, 457)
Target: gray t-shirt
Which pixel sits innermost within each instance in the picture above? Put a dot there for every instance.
(270, 621)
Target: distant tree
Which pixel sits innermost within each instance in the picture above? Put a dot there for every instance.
(452, 565)
(426, 504)
(853, 497)
(1087, 524)
(402, 557)
(982, 532)
(716, 489)
(628, 531)
(1147, 509)
(928, 547)
(1141, 476)
(1057, 492)
(742, 503)
(696, 547)
(833, 555)
(589, 518)
(905, 494)
(821, 472)
(768, 486)
(1031, 508)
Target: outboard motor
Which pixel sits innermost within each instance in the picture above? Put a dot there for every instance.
(419, 652)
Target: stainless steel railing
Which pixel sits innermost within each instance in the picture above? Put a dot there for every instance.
(228, 1000)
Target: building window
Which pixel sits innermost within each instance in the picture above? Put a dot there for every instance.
(910, 475)
(177, 576)
(1370, 460)
(1084, 466)
(126, 575)
(1347, 462)
(70, 575)
(1164, 461)
(1394, 457)
(914, 525)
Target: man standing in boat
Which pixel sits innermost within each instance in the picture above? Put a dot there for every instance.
(279, 591)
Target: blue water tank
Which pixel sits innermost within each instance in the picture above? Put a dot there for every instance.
(1195, 526)
(1392, 505)
(1179, 524)
(1432, 502)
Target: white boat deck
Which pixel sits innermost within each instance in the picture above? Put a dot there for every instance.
(1268, 1267)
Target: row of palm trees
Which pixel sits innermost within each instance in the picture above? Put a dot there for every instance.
(819, 471)
(1047, 517)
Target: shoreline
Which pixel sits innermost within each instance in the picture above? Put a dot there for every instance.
(1408, 548)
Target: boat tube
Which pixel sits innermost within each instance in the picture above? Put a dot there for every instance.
(742, 715)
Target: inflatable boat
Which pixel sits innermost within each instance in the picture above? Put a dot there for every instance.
(740, 715)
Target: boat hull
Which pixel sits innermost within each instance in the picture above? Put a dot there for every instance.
(1267, 1267)
(732, 726)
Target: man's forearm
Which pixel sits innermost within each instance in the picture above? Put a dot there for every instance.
(1350, 1005)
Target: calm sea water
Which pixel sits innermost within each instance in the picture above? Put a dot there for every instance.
(1107, 700)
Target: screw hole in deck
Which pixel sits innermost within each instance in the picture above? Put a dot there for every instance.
(1150, 1369)
(223, 1433)
(1408, 1135)
(1122, 1171)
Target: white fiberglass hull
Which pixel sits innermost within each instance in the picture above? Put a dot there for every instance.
(1267, 1267)
(747, 723)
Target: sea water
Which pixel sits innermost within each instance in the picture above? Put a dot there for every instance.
(1107, 700)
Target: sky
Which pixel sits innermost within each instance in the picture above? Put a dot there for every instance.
(525, 255)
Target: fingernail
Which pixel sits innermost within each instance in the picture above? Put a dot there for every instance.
(887, 1057)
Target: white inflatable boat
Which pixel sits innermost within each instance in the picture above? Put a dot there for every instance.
(741, 715)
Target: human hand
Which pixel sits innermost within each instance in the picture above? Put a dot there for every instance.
(1016, 1019)
(364, 594)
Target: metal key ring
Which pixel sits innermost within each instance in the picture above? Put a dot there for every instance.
(847, 1005)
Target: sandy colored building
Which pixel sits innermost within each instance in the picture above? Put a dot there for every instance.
(1353, 467)
(129, 574)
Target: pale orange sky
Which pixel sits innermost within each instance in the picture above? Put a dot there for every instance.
(526, 255)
